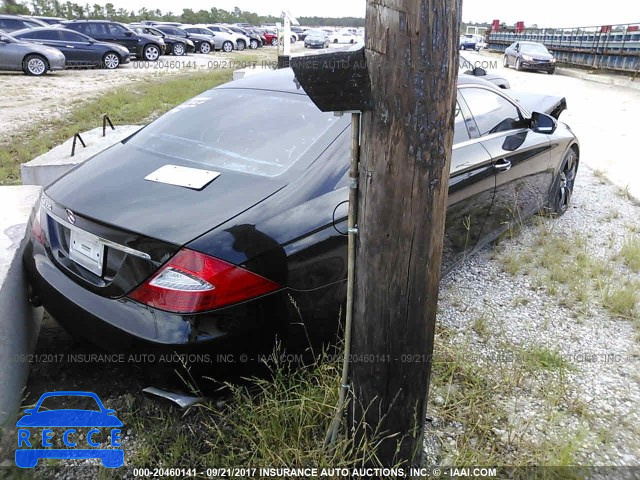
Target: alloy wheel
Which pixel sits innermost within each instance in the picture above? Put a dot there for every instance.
(111, 61)
(567, 181)
(178, 49)
(151, 53)
(36, 66)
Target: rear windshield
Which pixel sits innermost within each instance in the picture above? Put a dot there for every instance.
(256, 132)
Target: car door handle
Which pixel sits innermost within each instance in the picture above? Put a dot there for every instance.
(70, 46)
(503, 165)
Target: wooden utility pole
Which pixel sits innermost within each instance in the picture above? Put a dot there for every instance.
(411, 52)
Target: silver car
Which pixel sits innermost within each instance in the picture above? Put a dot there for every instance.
(31, 58)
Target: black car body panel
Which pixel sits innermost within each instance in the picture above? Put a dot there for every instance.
(78, 49)
(282, 221)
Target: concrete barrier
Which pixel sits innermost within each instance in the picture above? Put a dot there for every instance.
(56, 162)
(19, 321)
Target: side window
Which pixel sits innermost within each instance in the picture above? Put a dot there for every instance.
(95, 30)
(115, 29)
(460, 132)
(11, 24)
(492, 112)
(48, 35)
(28, 35)
(28, 24)
(71, 37)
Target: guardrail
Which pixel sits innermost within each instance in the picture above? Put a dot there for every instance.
(613, 47)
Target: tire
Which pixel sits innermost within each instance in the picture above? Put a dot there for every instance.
(227, 46)
(205, 47)
(551, 71)
(462, 47)
(335, 40)
(562, 191)
(179, 49)
(518, 65)
(151, 52)
(253, 44)
(35, 65)
(293, 40)
(505, 62)
(241, 45)
(274, 42)
(110, 61)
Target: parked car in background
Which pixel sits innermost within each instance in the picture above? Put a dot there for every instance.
(144, 47)
(210, 228)
(254, 39)
(241, 40)
(529, 56)
(225, 41)
(201, 43)
(343, 35)
(469, 42)
(175, 45)
(12, 23)
(468, 68)
(316, 39)
(78, 49)
(49, 20)
(270, 35)
(217, 40)
(29, 57)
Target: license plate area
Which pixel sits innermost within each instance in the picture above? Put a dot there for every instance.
(87, 250)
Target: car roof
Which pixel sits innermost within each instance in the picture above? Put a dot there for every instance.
(85, 20)
(283, 80)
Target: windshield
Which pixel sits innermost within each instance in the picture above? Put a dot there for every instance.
(533, 48)
(248, 131)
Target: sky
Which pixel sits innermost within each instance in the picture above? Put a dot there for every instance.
(551, 13)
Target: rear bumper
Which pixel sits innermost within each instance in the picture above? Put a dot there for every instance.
(123, 325)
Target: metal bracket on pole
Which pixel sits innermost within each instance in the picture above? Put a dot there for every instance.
(73, 146)
(105, 119)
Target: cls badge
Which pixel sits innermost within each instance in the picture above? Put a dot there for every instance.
(71, 217)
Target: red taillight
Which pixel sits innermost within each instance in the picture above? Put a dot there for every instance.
(194, 282)
(36, 229)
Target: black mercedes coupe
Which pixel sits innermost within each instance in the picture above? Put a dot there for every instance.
(210, 228)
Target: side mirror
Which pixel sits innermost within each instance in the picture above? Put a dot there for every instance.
(128, 34)
(543, 123)
(479, 72)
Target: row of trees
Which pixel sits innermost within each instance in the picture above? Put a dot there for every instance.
(70, 10)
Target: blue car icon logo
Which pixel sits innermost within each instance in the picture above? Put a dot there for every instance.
(61, 425)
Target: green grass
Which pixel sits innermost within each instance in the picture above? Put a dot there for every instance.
(537, 358)
(474, 394)
(630, 253)
(132, 104)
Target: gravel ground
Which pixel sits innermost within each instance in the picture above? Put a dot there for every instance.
(601, 351)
